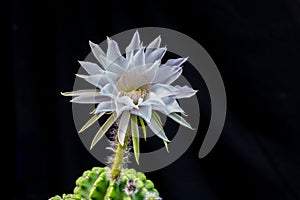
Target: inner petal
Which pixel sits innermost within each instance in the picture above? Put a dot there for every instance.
(133, 79)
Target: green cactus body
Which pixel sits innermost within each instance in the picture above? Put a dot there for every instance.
(96, 184)
(68, 197)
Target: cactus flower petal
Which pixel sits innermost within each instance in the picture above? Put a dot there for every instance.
(137, 84)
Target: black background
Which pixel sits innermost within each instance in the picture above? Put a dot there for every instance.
(256, 46)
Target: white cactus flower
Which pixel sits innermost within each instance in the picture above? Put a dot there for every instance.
(133, 88)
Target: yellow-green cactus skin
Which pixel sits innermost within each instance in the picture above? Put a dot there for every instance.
(96, 184)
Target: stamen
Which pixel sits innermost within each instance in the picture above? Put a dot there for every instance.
(135, 95)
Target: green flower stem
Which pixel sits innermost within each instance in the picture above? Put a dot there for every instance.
(118, 161)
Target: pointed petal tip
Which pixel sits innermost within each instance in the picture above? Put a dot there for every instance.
(190, 127)
(81, 76)
(167, 149)
(121, 142)
(92, 45)
(166, 139)
(81, 130)
(158, 38)
(137, 161)
(166, 145)
(92, 145)
(184, 114)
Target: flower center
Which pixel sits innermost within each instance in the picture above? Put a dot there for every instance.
(135, 95)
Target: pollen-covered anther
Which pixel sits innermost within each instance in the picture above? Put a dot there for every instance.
(135, 95)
